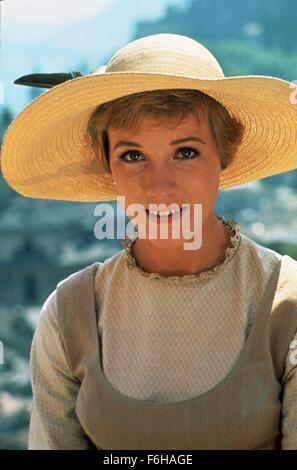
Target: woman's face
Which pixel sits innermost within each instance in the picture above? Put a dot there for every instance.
(166, 164)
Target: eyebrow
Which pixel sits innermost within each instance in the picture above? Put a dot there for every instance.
(123, 143)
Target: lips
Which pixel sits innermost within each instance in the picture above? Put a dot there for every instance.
(169, 216)
(168, 205)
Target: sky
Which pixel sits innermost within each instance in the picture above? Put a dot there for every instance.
(60, 35)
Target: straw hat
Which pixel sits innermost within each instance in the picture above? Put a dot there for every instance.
(45, 154)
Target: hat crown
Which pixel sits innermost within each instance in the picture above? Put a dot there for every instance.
(172, 54)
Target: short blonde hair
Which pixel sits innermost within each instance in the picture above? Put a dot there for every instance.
(129, 111)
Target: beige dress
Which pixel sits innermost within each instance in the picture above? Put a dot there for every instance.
(163, 339)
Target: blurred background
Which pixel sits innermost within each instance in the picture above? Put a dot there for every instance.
(44, 241)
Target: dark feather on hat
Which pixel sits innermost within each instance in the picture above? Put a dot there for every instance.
(46, 80)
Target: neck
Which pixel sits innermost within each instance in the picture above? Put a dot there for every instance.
(179, 262)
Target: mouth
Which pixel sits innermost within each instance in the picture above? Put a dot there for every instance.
(165, 214)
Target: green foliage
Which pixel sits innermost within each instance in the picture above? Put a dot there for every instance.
(278, 21)
(289, 249)
(267, 26)
(241, 58)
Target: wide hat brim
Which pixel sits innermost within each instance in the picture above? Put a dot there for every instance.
(46, 155)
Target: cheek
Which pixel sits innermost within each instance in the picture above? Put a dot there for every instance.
(125, 181)
(118, 174)
(205, 183)
(126, 185)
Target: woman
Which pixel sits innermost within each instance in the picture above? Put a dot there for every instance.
(162, 346)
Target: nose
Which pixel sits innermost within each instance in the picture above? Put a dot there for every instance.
(159, 183)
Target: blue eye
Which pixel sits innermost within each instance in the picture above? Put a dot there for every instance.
(134, 152)
(122, 157)
(188, 149)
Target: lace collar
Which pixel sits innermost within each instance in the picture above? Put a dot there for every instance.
(230, 252)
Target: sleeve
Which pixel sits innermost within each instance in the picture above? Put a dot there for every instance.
(289, 404)
(53, 422)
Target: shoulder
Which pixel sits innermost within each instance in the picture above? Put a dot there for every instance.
(47, 320)
(258, 254)
(265, 255)
(287, 284)
(98, 268)
(75, 294)
(46, 342)
(255, 265)
(263, 263)
(78, 276)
